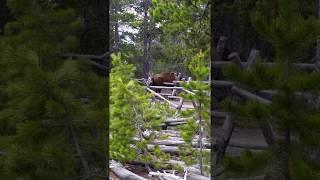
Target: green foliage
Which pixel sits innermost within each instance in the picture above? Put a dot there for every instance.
(304, 169)
(289, 32)
(258, 77)
(132, 115)
(200, 121)
(248, 164)
(293, 109)
(186, 29)
(51, 108)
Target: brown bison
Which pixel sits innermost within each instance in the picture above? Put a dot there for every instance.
(159, 79)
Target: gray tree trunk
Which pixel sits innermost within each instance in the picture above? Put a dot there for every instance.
(280, 166)
(116, 8)
(146, 63)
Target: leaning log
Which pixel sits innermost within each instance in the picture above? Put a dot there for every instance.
(161, 97)
(123, 173)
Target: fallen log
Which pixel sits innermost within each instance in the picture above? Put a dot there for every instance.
(161, 97)
(220, 83)
(249, 95)
(231, 151)
(123, 173)
(167, 176)
(175, 142)
(193, 169)
(173, 149)
(305, 66)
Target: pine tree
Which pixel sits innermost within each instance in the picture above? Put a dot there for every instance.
(133, 116)
(293, 112)
(52, 109)
(199, 123)
(185, 29)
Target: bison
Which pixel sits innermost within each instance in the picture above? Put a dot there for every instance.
(159, 79)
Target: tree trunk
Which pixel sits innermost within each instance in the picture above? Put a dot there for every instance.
(116, 9)
(146, 63)
(280, 167)
(94, 37)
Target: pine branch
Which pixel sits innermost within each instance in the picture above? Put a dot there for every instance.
(83, 160)
(89, 56)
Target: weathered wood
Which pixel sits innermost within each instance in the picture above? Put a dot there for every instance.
(175, 141)
(248, 146)
(235, 58)
(304, 66)
(123, 173)
(250, 95)
(232, 151)
(166, 175)
(253, 57)
(219, 83)
(173, 149)
(161, 97)
(193, 169)
(222, 141)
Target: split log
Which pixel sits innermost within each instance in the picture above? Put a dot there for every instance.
(123, 173)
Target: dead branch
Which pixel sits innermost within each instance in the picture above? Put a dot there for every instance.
(87, 56)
